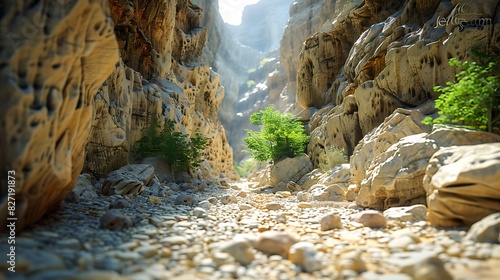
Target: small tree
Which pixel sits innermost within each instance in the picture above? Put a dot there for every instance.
(473, 100)
(281, 136)
(179, 150)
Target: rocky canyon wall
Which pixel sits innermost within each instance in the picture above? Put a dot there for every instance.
(54, 57)
(385, 55)
(82, 79)
(160, 76)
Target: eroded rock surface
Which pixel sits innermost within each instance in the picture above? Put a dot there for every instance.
(160, 77)
(382, 56)
(389, 164)
(463, 184)
(54, 57)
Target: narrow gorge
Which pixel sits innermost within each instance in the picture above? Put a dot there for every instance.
(379, 193)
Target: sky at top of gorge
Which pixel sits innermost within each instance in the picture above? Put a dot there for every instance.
(232, 10)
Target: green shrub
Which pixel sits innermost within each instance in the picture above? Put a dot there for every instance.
(281, 136)
(250, 84)
(473, 100)
(333, 157)
(245, 167)
(179, 150)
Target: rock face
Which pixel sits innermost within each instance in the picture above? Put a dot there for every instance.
(159, 77)
(389, 164)
(366, 64)
(262, 25)
(54, 58)
(463, 184)
(306, 18)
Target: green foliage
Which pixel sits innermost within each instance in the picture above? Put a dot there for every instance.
(333, 157)
(281, 136)
(245, 167)
(264, 61)
(178, 149)
(250, 84)
(473, 100)
(251, 70)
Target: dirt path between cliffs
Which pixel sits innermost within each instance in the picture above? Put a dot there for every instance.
(234, 232)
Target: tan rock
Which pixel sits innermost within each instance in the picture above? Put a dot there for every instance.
(463, 183)
(47, 94)
(131, 180)
(273, 206)
(487, 230)
(304, 255)
(370, 218)
(276, 243)
(366, 66)
(241, 250)
(330, 221)
(389, 164)
(412, 213)
(290, 169)
(320, 192)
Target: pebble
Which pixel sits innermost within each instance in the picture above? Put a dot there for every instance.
(370, 218)
(114, 219)
(199, 212)
(303, 196)
(284, 193)
(273, 206)
(184, 199)
(304, 205)
(226, 199)
(241, 250)
(330, 221)
(215, 240)
(245, 206)
(304, 255)
(486, 230)
(414, 213)
(276, 243)
(119, 204)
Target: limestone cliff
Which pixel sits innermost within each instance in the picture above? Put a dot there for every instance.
(306, 17)
(385, 55)
(160, 76)
(54, 57)
(58, 116)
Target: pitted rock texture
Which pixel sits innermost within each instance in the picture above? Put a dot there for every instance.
(54, 57)
(306, 18)
(389, 164)
(383, 56)
(463, 184)
(160, 77)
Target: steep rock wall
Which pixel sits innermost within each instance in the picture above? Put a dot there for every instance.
(366, 69)
(54, 57)
(160, 77)
(306, 17)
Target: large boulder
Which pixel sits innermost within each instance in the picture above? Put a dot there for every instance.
(131, 179)
(55, 56)
(389, 164)
(290, 169)
(463, 184)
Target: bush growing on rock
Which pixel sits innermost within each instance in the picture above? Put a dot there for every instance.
(179, 150)
(281, 136)
(333, 157)
(473, 100)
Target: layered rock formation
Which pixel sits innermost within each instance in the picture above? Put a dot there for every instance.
(382, 56)
(54, 57)
(160, 76)
(389, 164)
(306, 18)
